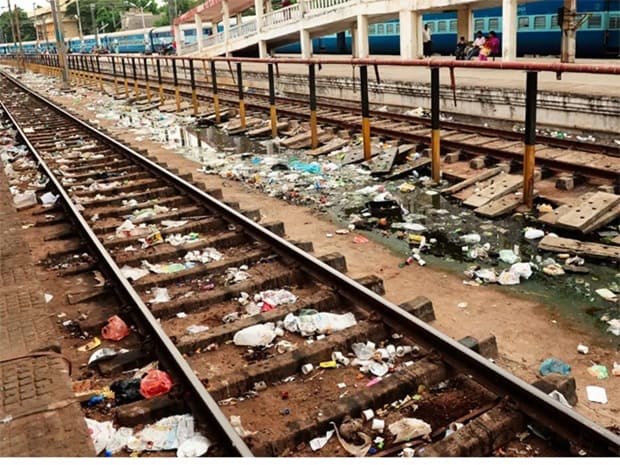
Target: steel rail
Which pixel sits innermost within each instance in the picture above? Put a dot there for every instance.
(530, 400)
(173, 355)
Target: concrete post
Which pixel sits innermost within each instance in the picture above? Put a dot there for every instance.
(408, 34)
(419, 39)
(509, 30)
(226, 21)
(306, 43)
(362, 36)
(178, 36)
(354, 41)
(259, 8)
(464, 23)
(199, 38)
(569, 32)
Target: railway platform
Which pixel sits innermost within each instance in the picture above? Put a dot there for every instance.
(38, 416)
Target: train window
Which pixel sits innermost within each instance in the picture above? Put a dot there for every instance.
(594, 22)
(614, 22)
(441, 26)
(389, 29)
(380, 29)
(431, 26)
(554, 22)
(453, 25)
(479, 24)
(524, 22)
(540, 22)
(397, 28)
(493, 24)
(371, 29)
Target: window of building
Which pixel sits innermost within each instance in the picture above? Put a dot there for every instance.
(442, 26)
(479, 24)
(389, 29)
(540, 22)
(380, 29)
(524, 22)
(493, 24)
(594, 22)
(453, 25)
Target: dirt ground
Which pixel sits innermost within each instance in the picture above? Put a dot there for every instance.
(527, 332)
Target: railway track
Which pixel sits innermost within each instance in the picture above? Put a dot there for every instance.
(288, 374)
(559, 156)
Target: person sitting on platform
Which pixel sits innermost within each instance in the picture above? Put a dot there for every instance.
(460, 49)
(478, 42)
(493, 43)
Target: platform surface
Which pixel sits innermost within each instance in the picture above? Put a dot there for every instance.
(38, 414)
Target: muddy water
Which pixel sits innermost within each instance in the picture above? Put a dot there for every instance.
(445, 221)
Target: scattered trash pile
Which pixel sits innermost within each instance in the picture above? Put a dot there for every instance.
(598, 371)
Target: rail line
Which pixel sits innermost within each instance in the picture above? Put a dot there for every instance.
(223, 269)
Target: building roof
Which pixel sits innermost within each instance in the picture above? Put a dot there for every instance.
(211, 10)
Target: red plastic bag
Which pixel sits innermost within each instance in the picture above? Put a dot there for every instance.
(115, 330)
(155, 383)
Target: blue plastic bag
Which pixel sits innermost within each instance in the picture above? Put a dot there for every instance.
(553, 365)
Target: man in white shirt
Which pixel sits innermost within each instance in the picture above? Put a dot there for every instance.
(479, 41)
(426, 41)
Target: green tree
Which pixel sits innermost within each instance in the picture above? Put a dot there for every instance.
(181, 5)
(26, 26)
(107, 12)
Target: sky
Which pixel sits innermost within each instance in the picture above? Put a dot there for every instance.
(27, 4)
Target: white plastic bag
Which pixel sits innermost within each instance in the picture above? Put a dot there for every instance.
(167, 434)
(409, 428)
(195, 446)
(256, 335)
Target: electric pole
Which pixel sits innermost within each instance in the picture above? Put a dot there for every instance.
(60, 44)
(92, 16)
(19, 37)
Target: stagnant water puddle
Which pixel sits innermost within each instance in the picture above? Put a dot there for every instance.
(442, 221)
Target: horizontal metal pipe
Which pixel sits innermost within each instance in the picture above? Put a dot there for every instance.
(509, 65)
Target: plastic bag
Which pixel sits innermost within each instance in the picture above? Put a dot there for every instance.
(256, 335)
(195, 446)
(509, 278)
(553, 365)
(310, 322)
(126, 391)
(600, 371)
(167, 434)
(406, 429)
(524, 270)
(155, 383)
(115, 330)
(25, 200)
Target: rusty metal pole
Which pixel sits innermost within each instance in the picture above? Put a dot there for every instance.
(435, 126)
(272, 102)
(313, 127)
(529, 155)
(365, 112)
(241, 98)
